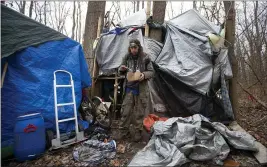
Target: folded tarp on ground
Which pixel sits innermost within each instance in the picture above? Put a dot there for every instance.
(179, 140)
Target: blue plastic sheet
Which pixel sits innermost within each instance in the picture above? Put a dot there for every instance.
(28, 84)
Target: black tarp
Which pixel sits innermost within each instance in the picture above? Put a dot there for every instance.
(182, 100)
(19, 32)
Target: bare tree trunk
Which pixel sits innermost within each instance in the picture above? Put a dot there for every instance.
(80, 23)
(134, 6)
(195, 5)
(171, 9)
(137, 5)
(159, 8)
(35, 10)
(95, 9)
(23, 7)
(77, 27)
(73, 20)
(230, 36)
(182, 7)
(258, 41)
(30, 10)
(45, 12)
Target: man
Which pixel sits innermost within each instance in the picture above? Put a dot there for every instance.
(136, 93)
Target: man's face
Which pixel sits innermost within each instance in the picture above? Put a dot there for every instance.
(134, 50)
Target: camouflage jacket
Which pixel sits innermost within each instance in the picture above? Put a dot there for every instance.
(144, 65)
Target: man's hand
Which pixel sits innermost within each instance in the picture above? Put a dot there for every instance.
(142, 77)
(123, 68)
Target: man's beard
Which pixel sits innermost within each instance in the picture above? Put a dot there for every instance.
(135, 54)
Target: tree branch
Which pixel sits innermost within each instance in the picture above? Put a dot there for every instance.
(256, 98)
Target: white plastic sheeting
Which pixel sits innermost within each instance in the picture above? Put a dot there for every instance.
(136, 19)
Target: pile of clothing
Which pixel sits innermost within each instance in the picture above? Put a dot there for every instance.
(97, 148)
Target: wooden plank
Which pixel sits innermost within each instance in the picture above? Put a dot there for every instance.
(95, 65)
(115, 95)
(4, 74)
(147, 16)
(104, 78)
(261, 155)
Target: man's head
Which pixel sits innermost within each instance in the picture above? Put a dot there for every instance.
(135, 47)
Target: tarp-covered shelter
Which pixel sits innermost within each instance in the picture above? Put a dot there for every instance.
(33, 52)
(190, 71)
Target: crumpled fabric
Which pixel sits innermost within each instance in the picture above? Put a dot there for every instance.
(179, 140)
(94, 152)
(149, 121)
(97, 133)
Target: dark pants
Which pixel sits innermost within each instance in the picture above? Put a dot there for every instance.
(133, 111)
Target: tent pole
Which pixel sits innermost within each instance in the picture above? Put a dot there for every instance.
(95, 65)
(4, 74)
(147, 16)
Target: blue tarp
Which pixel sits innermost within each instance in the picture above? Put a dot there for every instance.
(28, 84)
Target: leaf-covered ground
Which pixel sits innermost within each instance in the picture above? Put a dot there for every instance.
(248, 115)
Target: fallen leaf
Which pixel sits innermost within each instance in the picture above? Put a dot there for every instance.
(121, 148)
(231, 163)
(257, 136)
(115, 162)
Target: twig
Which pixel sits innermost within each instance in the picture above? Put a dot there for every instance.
(254, 97)
(253, 84)
(257, 123)
(255, 74)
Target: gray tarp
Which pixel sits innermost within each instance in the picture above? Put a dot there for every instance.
(179, 140)
(193, 21)
(19, 32)
(222, 62)
(111, 48)
(188, 57)
(187, 51)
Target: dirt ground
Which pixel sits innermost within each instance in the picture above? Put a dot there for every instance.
(63, 157)
(247, 116)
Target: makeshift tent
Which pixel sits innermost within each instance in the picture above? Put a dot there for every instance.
(189, 69)
(33, 52)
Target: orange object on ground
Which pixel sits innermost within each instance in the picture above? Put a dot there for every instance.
(151, 119)
(231, 163)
